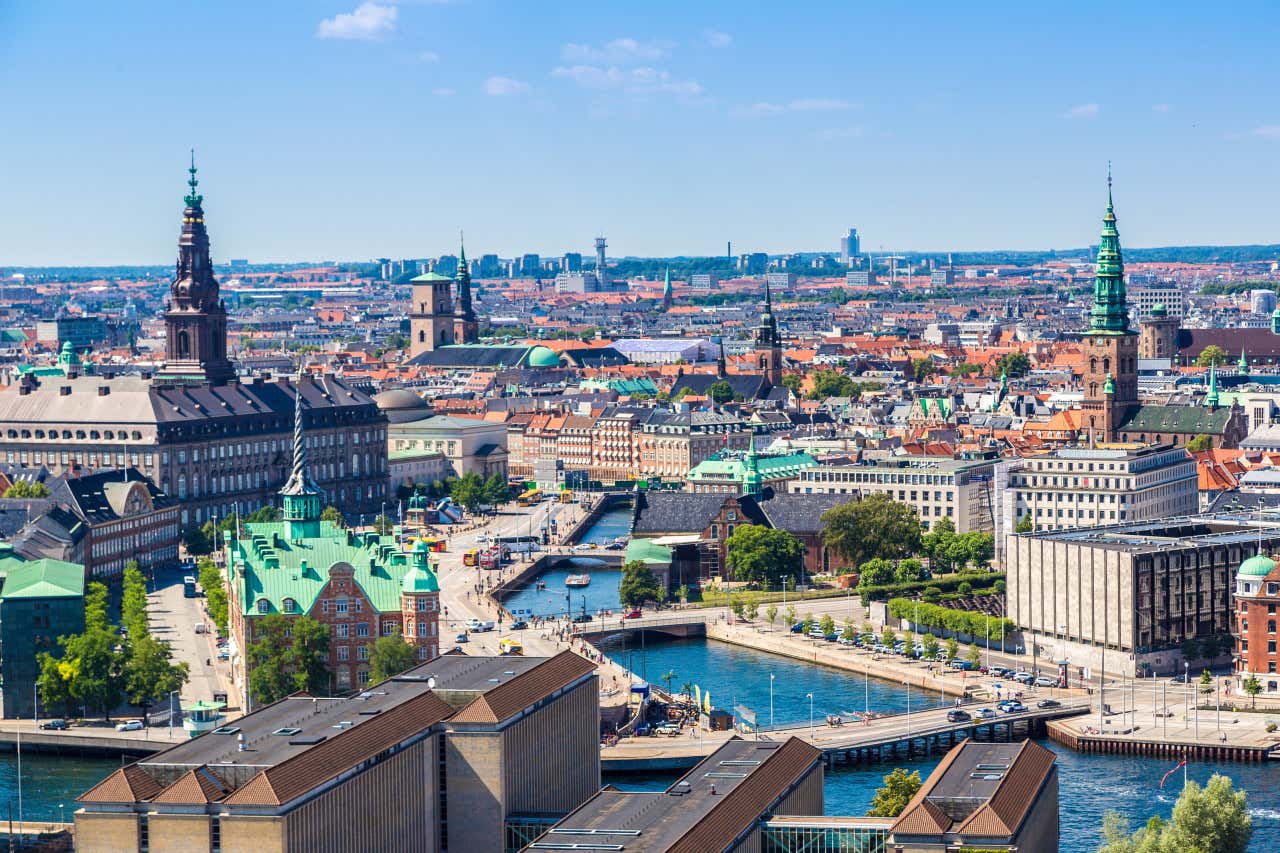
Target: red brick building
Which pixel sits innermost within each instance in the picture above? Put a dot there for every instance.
(1257, 602)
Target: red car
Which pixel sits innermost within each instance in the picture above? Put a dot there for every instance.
(634, 614)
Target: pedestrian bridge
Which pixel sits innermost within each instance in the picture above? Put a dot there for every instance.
(691, 623)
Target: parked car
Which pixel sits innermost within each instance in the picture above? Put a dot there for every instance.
(1046, 681)
(845, 641)
(462, 638)
(519, 625)
(1179, 679)
(985, 713)
(582, 617)
(832, 637)
(223, 654)
(1048, 703)
(55, 725)
(958, 716)
(633, 614)
(616, 546)
(129, 726)
(797, 628)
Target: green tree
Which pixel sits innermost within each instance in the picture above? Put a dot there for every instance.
(849, 632)
(793, 382)
(930, 646)
(269, 657)
(27, 489)
(875, 572)
(1252, 687)
(1199, 443)
(892, 797)
(888, 637)
(756, 553)
(771, 614)
(310, 655)
(1024, 525)
(876, 526)
(909, 571)
(1013, 364)
(133, 601)
(806, 622)
(149, 673)
(953, 647)
(827, 624)
(1211, 356)
(383, 526)
(922, 368)
(334, 515)
(197, 539)
(215, 593)
(468, 491)
(638, 585)
(94, 667)
(95, 607)
(496, 490)
(1190, 649)
(1206, 682)
(974, 656)
(791, 615)
(54, 683)
(389, 656)
(720, 392)
(1212, 819)
(831, 383)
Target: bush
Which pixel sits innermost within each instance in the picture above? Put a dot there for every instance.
(999, 586)
(950, 619)
(1270, 727)
(931, 593)
(881, 592)
(965, 588)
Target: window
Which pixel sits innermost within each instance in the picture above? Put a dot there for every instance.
(343, 652)
(362, 629)
(388, 628)
(264, 606)
(362, 653)
(342, 605)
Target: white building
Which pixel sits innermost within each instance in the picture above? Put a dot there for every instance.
(1111, 484)
(667, 350)
(1142, 299)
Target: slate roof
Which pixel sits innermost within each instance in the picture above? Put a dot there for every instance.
(796, 513)
(98, 498)
(658, 513)
(472, 356)
(1179, 420)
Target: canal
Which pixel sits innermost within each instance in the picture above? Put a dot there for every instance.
(1088, 785)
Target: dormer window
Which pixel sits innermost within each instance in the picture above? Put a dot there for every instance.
(264, 606)
(290, 606)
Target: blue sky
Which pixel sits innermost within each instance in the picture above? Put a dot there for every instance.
(337, 129)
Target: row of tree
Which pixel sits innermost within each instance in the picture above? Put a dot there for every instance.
(98, 667)
(472, 491)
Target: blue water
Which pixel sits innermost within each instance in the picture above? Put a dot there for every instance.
(609, 526)
(47, 781)
(1088, 785)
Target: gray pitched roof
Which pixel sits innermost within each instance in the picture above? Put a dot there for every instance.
(796, 513)
(658, 513)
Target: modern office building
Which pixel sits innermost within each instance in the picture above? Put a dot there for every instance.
(40, 601)
(717, 807)
(1108, 484)
(439, 758)
(850, 247)
(1257, 597)
(1132, 592)
(1142, 301)
(703, 281)
(753, 263)
(936, 487)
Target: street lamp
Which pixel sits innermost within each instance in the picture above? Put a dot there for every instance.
(810, 698)
(771, 676)
(171, 695)
(908, 683)
(1186, 696)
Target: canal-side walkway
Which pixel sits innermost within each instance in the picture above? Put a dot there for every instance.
(1159, 730)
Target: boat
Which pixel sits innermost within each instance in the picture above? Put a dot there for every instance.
(542, 585)
(577, 580)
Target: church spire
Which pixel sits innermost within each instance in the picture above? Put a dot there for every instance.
(300, 495)
(1211, 399)
(193, 198)
(668, 295)
(1243, 364)
(465, 328)
(1110, 312)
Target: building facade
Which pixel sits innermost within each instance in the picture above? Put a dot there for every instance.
(1088, 487)
(40, 601)
(126, 517)
(936, 487)
(1257, 598)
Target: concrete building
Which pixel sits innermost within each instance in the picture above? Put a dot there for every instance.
(850, 247)
(581, 281)
(753, 263)
(1130, 592)
(703, 281)
(82, 331)
(1158, 334)
(1143, 301)
(40, 601)
(717, 807)
(442, 443)
(860, 278)
(1262, 302)
(437, 758)
(936, 487)
(1089, 487)
(1257, 597)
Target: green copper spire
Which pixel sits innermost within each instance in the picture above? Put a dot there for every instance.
(300, 496)
(752, 481)
(1243, 364)
(193, 198)
(1211, 399)
(1110, 313)
(1109, 387)
(667, 292)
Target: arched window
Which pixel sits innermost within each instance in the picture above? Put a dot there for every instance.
(1093, 365)
(290, 606)
(182, 485)
(264, 606)
(422, 336)
(184, 344)
(1106, 364)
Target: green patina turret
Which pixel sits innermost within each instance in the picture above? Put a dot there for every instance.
(1275, 321)
(300, 497)
(668, 295)
(1109, 314)
(1211, 399)
(67, 359)
(1003, 392)
(1109, 387)
(752, 481)
(1243, 364)
(420, 577)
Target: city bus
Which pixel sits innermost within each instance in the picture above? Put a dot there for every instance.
(436, 545)
(189, 586)
(471, 557)
(530, 497)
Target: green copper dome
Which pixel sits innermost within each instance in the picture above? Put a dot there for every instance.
(1159, 310)
(420, 577)
(541, 356)
(1258, 566)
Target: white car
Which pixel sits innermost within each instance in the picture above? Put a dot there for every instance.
(129, 726)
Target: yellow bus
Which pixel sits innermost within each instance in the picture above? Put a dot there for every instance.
(471, 557)
(510, 646)
(566, 496)
(530, 498)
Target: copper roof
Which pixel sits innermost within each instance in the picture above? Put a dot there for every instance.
(295, 776)
(742, 807)
(508, 699)
(129, 784)
(195, 787)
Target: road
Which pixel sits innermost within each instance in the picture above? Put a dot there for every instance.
(174, 618)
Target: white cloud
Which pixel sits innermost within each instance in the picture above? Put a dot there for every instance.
(1082, 111)
(715, 38)
(369, 22)
(622, 51)
(640, 81)
(428, 56)
(499, 86)
(443, 92)
(1161, 108)
(1267, 131)
(798, 105)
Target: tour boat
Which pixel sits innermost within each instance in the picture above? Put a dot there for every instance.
(577, 580)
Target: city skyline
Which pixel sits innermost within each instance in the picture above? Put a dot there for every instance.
(356, 130)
